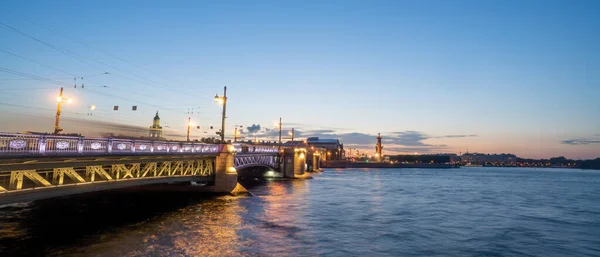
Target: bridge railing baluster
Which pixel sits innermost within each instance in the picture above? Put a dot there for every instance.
(142, 146)
(187, 148)
(174, 147)
(121, 146)
(19, 144)
(160, 147)
(62, 145)
(95, 145)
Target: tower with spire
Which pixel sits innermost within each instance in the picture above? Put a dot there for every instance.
(155, 130)
(379, 148)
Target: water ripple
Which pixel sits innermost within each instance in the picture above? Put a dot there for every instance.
(420, 212)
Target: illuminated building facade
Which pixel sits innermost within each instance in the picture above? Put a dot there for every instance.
(334, 149)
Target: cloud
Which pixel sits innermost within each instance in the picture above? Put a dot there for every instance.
(413, 141)
(408, 138)
(173, 135)
(456, 136)
(357, 138)
(580, 141)
(112, 127)
(306, 126)
(403, 141)
(320, 131)
(272, 133)
(93, 128)
(429, 149)
(253, 129)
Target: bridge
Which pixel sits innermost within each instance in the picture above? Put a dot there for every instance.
(35, 167)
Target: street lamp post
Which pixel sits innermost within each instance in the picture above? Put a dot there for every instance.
(59, 99)
(223, 101)
(189, 124)
(188, 128)
(235, 134)
(279, 134)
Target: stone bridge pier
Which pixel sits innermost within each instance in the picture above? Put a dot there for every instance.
(226, 176)
(294, 163)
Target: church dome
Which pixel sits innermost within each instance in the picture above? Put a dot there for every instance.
(156, 116)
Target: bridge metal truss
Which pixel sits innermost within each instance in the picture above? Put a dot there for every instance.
(30, 179)
(243, 161)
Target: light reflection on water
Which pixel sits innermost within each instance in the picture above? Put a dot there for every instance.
(463, 212)
(204, 229)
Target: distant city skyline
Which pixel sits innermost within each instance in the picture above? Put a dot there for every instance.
(430, 76)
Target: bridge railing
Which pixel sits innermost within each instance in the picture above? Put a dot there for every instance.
(252, 148)
(59, 145)
(27, 144)
(19, 144)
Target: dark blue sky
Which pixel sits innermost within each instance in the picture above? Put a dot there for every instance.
(432, 76)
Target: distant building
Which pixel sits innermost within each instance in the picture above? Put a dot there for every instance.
(478, 158)
(155, 131)
(421, 158)
(335, 150)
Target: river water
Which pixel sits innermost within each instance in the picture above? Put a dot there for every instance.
(353, 212)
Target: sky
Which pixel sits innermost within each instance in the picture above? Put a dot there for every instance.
(518, 77)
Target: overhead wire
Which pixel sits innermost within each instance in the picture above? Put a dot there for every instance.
(26, 88)
(38, 108)
(61, 84)
(39, 63)
(149, 81)
(75, 56)
(18, 79)
(79, 58)
(69, 53)
(63, 71)
(129, 100)
(106, 53)
(18, 73)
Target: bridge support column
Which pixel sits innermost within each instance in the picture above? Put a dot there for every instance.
(226, 176)
(316, 162)
(294, 165)
(300, 163)
(287, 168)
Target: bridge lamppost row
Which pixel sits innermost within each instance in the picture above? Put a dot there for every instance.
(60, 99)
(223, 101)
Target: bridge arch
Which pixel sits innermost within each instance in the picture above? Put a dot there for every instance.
(254, 160)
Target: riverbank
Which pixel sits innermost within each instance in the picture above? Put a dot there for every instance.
(379, 165)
